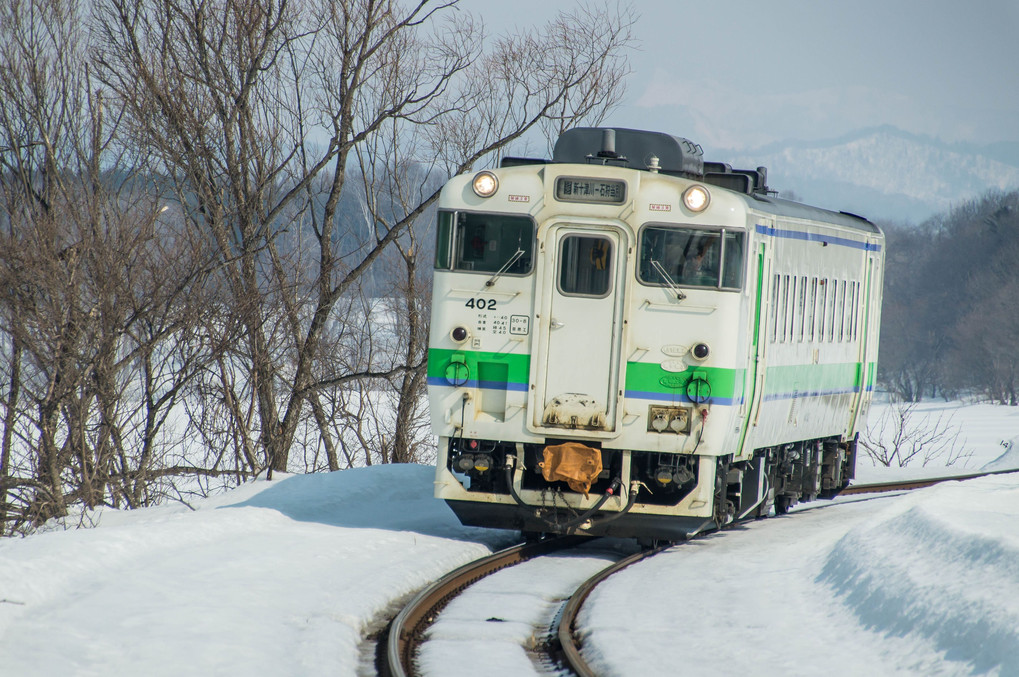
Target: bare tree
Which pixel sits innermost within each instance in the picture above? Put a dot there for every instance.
(91, 274)
(899, 437)
(171, 234)
(254, 107)
(404, 165)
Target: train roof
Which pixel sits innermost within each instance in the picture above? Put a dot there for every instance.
(677, 156)
(787, 208)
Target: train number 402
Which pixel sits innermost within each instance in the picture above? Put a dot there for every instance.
(481, 304)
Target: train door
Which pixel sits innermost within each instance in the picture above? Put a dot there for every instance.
(577, 370)
(753, 394)
(865, 314)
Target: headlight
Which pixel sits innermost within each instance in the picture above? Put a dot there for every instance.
(696, 198)
(485, 184)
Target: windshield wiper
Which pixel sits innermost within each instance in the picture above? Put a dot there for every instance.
(505, 267)
(668, 280)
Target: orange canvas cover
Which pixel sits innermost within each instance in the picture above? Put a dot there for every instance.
(574, 463)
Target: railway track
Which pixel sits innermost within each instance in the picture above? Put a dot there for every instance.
(398, 645)
(396, 657)
(908, 485)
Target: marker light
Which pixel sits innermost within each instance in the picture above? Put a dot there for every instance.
(701, 351)
(696, 198)
(485, 184)
(459, 334)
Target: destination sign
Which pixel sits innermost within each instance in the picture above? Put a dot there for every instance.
(606, 191)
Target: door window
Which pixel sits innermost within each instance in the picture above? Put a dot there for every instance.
(585, 266)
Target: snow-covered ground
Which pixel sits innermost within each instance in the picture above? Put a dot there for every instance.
(284, 578)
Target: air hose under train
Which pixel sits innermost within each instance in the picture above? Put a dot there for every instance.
(587, 514)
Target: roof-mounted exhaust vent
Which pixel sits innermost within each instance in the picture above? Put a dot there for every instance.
(608, 144)
(630, 148)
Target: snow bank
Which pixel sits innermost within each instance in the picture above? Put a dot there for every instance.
(1009, 459)
(977, 432)
(274, 578)
(943, 566)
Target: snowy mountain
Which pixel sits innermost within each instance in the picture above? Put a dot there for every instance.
(884, 173)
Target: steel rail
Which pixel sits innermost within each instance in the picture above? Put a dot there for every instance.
(406, 630)
(409, 625)
(909, 485)
(567, 632)
(569, 642)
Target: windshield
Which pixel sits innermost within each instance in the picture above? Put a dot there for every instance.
(691, 257)
(484, 243)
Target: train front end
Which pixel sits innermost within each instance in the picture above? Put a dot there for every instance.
(588, 349)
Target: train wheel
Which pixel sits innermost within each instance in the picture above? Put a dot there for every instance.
(655, 543)
(534, 536)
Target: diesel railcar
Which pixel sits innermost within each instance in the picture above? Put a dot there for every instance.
(629, 340)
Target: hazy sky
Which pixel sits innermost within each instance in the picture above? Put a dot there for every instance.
(742, 73)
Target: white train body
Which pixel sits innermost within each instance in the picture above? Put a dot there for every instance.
(717, 361)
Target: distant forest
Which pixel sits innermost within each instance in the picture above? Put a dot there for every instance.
(950, 321)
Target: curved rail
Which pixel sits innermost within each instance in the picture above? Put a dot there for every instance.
(409, 625)
(568, 641)
(567, 631)
(407, 628)
(908, 485)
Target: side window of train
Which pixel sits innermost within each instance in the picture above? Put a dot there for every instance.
(811, 309)
(821, 308)
(785, 309)
(732, 267)
(585, 266)
(774, 307)
(847, 312)
(791, 308)
(691, 257)
(484, 243)
(856, 308)
(832, 294)
(444, 241)
(801, 309)
(842, 310)
(850, 310)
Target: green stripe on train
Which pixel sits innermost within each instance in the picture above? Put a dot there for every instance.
(652, 378)
(822, 377)
(517, 367)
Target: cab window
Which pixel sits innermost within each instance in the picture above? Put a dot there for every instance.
(484, 243)
(691, 257)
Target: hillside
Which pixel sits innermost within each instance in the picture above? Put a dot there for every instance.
(883, 173)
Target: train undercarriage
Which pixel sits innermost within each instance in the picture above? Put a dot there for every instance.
(776, 478)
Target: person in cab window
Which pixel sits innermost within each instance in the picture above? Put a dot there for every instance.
(699, 261)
